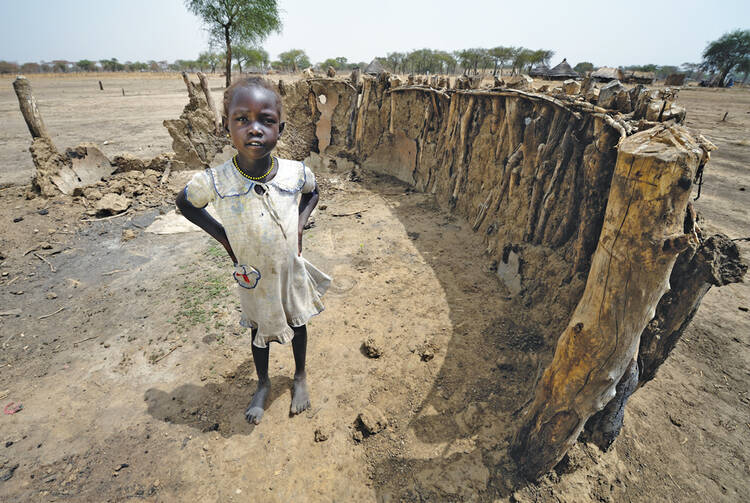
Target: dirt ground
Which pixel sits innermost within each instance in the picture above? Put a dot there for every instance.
(134, 374)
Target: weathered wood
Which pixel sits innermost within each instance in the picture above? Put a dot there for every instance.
(716, 262)
(29, 110)
(190, 86)
(603, 427)
(210, 100)
(640, 240)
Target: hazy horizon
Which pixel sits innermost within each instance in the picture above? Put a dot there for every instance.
(636, 33)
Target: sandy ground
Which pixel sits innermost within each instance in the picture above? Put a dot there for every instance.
(136, 389)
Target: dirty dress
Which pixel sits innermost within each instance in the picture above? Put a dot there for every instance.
(277, 288)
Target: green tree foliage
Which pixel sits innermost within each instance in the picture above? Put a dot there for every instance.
(8, 67)
(473, 59)
(339, 63)
(294, 60)
(692, 70)
(501, 56)
(251, 57)
(31, 68)
(246, 22)
(727, 53)
(584, 67)
(111, 65)
(86, 65)
(394, 61)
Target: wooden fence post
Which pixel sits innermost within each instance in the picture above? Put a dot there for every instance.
(29, 109)
(642, 235)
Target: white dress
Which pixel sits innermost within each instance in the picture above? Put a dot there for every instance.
(277, 287)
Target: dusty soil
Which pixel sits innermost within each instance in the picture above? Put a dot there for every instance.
(136, 388)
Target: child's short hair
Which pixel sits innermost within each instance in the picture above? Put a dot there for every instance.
(249, 82)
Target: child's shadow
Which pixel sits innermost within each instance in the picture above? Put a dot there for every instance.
(217, 406)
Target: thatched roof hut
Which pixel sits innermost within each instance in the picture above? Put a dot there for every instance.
(374, 68)
(540, 71)
(605, 74)
(562, 71)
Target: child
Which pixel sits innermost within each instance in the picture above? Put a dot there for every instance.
(261, 201)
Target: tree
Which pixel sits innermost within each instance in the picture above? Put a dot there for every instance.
(337, 63)
(522, 58)
(692, 70)
(31, 68)
(584, 67)
(251, 57)
(86, 66)
(728, 52)
(744, 67)
(246, 22)
(111, 65)
(501, 56)
(473, 58)
(294, 59)
(8, 67)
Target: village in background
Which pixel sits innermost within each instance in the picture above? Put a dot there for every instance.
(496, 61)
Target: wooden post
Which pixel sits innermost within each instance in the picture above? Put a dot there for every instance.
(29, 109)
(101, 87)
(640, 239)
(210, 100)
(190, 86)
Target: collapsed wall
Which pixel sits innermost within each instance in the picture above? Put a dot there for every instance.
(584, 210)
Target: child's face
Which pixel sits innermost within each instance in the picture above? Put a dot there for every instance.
(254, 122)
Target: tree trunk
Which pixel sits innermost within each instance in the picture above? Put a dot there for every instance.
(210, 100)
(229, 56)
(640, 239)
(29, 109)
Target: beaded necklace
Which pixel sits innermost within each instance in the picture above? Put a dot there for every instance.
(254, 178)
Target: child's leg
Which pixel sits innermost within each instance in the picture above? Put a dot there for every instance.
(300, 396)
(254, 412)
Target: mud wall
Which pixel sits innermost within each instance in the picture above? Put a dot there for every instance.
(529, 173)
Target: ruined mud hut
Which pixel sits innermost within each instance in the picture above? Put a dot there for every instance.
(606, 74)
(585, 215)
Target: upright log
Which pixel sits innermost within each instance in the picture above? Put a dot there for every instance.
(210, 100)
(29, 109)
(642, 235)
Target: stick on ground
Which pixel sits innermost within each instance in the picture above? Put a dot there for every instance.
(51, 267)
(51, 314)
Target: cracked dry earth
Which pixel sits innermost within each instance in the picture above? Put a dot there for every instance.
(137, 388)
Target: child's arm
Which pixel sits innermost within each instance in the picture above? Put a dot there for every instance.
(201, 218)
(307, 203)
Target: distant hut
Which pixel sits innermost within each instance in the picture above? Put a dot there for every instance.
(562, 71)
(374, 68)
(605, 74)
(675, 79)
(639, 77)
(539, 71)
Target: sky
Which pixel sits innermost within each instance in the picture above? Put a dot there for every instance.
(605, 33)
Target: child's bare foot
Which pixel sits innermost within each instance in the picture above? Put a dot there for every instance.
(300, 396)
(254, 412)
